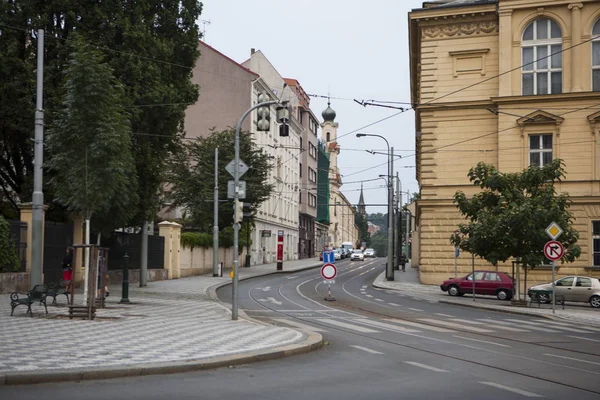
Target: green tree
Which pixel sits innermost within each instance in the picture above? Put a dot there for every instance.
(151, 46)
(192, 177)
(509, 216)
(90, 144)
(379, 243)
(360, 221)
(9, 261)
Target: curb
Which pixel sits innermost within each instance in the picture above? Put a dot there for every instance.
(314, 341)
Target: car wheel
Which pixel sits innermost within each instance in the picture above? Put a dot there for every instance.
(544, 298)
(503, 294)
(453, 290)
(595, 301)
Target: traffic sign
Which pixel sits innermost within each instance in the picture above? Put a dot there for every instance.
(553, 250)
(230, 167)
(241, 189)
(328, 257)
(328, 271)
(554, 231)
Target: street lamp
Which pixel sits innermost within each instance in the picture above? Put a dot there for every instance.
(389, 272)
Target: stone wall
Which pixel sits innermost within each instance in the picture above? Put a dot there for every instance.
(14, 282)
(200, 260)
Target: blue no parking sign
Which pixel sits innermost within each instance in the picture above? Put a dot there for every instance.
(328, 257)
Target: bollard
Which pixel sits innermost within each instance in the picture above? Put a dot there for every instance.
(125, 290)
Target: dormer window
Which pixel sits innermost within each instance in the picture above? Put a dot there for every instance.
(542, 58)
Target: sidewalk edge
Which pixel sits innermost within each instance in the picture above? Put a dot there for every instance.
(314, 341)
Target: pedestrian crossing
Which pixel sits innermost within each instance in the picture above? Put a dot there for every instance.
(440, 325)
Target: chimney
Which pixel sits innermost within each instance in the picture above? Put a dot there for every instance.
(252, 51)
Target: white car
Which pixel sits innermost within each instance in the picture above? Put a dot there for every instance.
(357, 254)
(337, 254)
(369, 253)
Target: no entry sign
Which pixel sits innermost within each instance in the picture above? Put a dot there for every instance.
(328, 271)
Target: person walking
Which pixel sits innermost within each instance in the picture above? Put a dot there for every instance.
(67, 267)
(403, 261)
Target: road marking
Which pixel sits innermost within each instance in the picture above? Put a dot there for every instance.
(347, 326)
(365, 286)
(510, 389)
(422, 326)
(367, 350)
(482, 341)
(394, 304)
(414, 309)
(378, 300)
(291, 277)
(415, 298)
(584, 338)
(265, 289)
(500, 325)
(383, 325)
(564, 328)
(368, 295)
(271, 300)
(299, 325)
(454, 325)
(589, 328)
(416, 364)
(571, 358)
(444, 315)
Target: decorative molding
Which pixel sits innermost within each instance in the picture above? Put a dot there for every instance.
(575, 5)
(464, 28)
(540, 117)
(468, 61)
(593, 119)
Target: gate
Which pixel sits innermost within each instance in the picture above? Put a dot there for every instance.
(58, 236)
(18, 236)
(120, 243)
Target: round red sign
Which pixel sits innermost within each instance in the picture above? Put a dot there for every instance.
(328, 271)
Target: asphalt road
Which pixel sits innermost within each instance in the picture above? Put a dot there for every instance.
(380, 345)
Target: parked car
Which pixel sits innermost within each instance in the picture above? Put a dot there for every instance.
(337, 254)
(369, 253)
(486, 282)
(342, 253)
(357, 254)
(574, 288)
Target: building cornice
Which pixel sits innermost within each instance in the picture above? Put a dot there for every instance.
(451, 11)
(455, 104)
(546, 98)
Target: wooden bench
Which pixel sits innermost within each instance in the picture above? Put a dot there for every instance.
(56, 289)
(545, 296)
(38, 293)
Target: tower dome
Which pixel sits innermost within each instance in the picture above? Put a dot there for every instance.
(328, 114)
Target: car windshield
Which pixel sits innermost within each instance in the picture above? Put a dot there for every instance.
(369, 250)
(357, 251)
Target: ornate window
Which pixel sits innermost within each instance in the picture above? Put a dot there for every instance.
(540, 150)
(596, 243)
(596, 57)
(542, 58)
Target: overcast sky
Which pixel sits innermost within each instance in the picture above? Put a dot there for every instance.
(351, 49)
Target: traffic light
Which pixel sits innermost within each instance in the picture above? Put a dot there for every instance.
(283, 116)
(247, 213)
(264, 114)
(238, 211)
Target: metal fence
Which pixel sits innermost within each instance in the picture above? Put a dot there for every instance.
(18, 236)
(120, 243)
(58, 236)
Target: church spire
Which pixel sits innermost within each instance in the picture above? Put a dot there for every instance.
(361, 201)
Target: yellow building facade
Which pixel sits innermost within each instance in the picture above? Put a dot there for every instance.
(510, 83)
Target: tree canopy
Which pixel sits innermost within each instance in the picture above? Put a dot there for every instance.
(89, 145)
(509, 216)
(192, 177)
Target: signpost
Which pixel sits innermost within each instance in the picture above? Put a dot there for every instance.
(553, 251)
(279, 250)
(328, 257)
(329, 272)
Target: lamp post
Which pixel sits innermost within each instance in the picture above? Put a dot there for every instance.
(389, 272)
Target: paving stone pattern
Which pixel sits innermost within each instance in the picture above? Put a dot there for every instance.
(169, 321)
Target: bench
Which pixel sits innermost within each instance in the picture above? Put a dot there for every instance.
(38, 293)
(545, 296)
(56, 289)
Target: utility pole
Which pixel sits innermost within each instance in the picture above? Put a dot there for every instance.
(390, 257)
(144, 256)
(38, 194)
(216, 217)
(398, 241)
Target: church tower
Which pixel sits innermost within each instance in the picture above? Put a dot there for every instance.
(361, 202)
(329, 137)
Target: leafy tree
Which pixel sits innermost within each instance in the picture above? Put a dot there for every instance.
(379, 219)
(90, 143)
(363, 228)
(192, 177)
(509, 216)
(151, 46)
(9, 261)
(379, 243)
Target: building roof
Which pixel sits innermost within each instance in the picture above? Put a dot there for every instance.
(456, 3)
(227, 58)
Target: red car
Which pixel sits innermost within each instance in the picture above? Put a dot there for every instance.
(486, 282)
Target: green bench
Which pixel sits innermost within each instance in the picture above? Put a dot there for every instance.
(38, 293)
(545, 296)
(56, 289)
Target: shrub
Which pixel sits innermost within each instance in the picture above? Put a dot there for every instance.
(9, 260)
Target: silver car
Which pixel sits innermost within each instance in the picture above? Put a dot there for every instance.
(357, 254)
(575, 288)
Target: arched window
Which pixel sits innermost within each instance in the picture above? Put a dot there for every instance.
(328, 137)
(542, 58)
(596, 57)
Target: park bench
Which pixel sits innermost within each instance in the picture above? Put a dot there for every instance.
(56, 289)
(545, 296)
(38, 293)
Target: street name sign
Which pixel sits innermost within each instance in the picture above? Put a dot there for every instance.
(241, 189)
(554, 230)
(328, 271)
(230, 167)
(553, 250)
